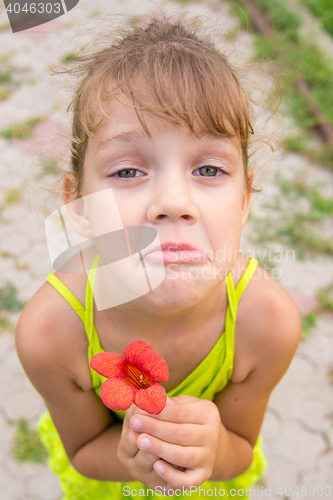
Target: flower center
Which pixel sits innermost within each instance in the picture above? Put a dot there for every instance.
(136, 378)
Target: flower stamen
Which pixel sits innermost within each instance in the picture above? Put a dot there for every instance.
(135, 377)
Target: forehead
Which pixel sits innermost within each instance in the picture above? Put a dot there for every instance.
(124, 128)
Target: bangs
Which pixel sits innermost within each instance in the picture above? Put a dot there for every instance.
(183, 81)
(163, 69)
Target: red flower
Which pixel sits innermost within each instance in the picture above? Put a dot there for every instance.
(132, 379)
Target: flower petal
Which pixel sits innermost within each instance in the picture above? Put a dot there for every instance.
(134, 350)
(152, 400)
(154, 365)
(107, 364)
(117, 394)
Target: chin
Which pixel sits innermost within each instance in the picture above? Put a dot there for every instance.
(179, 293)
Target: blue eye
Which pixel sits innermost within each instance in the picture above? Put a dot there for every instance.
(209, 171)
(127, 173)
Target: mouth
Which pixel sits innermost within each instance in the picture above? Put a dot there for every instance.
(175, 253)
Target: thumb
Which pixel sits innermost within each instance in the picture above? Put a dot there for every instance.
(170, 402)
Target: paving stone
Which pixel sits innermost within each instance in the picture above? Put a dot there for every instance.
(6, 343)
(38, 259)
(303, 394)
(305, 305)
(10, 155)
(319, 346)
(8, 384)
(24, 404)
(316, 484)
(16, 243)
(39, 32)
(326, 465)
(13, 364)
(316, 413)
(5, 429)
(299, 445)
(329, 435)
(28, 291)
(23, 469)
(272, 426)
(286, 396)
(50, 141)
(17, 278)
(309, 275)
(45, 485)
(12, 490)
(302, 368)
(281, 473)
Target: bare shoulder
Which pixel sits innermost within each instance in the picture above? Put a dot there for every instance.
(53, 349)
(268, 327)
(50, 336)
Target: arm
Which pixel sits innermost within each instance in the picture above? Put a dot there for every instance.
(52, 347)
(275, 335)
(215, 441)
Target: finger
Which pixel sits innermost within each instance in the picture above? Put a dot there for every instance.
(183, 456)
(128, 415)
(191, 410)
(188, 479)
(181, 434)
(144, 461)
(129, 446)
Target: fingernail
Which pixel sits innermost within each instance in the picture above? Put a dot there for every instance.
(159, 469)
(170, 402)
(138, 411)
(136, 424)
(144, 444)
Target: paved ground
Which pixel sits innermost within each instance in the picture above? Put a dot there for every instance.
(298, 426)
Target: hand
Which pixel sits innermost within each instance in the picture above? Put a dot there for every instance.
(185, 435)
(139, 463)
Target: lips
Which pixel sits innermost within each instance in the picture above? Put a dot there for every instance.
(175, 253)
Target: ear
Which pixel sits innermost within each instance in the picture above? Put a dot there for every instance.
(247, 197)
(75, 207)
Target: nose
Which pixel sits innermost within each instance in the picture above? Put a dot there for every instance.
(173, 200)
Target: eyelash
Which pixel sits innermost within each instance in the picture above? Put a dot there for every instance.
(136, 170)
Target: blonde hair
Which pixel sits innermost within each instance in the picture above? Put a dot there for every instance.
(161, 67)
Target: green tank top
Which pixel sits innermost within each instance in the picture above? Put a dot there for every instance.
(206, 380)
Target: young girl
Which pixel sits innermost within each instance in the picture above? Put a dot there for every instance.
(161, 118)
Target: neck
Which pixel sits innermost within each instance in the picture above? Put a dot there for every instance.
(140, 319)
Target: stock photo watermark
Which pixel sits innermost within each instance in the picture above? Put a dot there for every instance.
(26, 14)
(129, 261)
(282, 491)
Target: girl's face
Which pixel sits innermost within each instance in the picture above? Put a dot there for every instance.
(190, 190)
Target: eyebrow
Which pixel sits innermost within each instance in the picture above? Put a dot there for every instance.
(124, 138)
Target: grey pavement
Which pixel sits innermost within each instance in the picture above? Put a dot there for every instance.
(298, 425)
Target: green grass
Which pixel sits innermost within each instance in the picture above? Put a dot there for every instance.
(6, 76)
(8, 299)
(296, 232)
(67, 58)
(298, 188)
(27, 444)
(303, 60)
(330, 375)
(323, 10)
(280, 16)
(301, 144)
(308, 324)
(13, 196)
(294, 55)
(5, 324)
(49, 168)
(325, 297)
(21, 130)
(290, 223)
